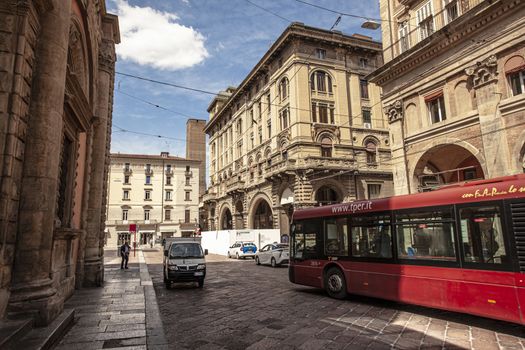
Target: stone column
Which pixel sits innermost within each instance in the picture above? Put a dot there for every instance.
(402, 178)
(483, 78)
(32, 290)
(93, 254)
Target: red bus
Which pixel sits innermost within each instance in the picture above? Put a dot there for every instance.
(459, 248)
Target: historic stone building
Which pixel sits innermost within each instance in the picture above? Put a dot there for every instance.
(157, 193)
(453, 89)
(304, 128)
(56, 86)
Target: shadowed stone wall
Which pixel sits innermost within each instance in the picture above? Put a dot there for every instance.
(56, 84)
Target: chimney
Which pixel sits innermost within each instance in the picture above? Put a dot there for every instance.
(164, 154)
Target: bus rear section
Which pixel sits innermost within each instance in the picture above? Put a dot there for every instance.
(458, 255)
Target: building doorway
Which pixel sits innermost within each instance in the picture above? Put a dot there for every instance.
(226, 220)
(263, 216)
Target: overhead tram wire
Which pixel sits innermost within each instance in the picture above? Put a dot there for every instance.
(154, 104)
(166, 83)
(271, 12)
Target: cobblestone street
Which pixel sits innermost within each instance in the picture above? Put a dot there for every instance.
(247, 306)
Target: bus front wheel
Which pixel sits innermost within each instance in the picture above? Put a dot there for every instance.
(335, 283)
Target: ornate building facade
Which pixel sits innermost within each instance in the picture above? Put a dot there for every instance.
(453, 89)
(157, 193)
(304, 128)
(56, 85)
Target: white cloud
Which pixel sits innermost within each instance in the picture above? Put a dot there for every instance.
(151, 37)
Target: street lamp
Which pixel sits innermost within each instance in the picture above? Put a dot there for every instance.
(370, 24)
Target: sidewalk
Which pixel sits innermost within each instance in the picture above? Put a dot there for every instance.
(123, 314)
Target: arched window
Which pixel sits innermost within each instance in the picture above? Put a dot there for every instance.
(515, 71)
(321, 81)
(326, 196)
(371, 148)
(326, 147)
(283, 89)
(263, 217)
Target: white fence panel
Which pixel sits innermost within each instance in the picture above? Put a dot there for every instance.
(218, 242)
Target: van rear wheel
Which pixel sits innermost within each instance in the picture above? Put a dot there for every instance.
(335, 283)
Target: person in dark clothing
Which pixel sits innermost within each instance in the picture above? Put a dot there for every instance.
(124, 253)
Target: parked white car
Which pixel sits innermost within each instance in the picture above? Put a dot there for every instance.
(274, 254)
(242, 250)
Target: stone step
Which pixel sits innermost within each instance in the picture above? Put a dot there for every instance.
(43, 338)
(12, 332)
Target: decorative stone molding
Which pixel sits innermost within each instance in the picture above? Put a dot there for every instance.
(284, 138)
(319, 129)
(394, 111)
(106, 56)
(483, 72)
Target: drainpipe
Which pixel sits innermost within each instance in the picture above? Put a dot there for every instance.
(404, 147)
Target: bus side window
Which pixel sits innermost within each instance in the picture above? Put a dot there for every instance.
(336, 237)
(482, 235)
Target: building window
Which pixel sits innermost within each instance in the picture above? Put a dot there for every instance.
(127, 166)
(404, 37)
(374, 191)
(168, 180)
(148, 180)
(283, 89)
(239, 149)
(363, 84)
(326, 147)
(260, 169)
(126, 179)
(187, 181)
(187, 216)
(167, 215)
(320, 53)
(451, 10)
(239, 126)
(252, 139)
(260, 135)
(268, 104)
(259, 110)
(124, 214)
(321, 82)
(323, 113)
(371, 149)
(168, 168)
(425, 20)
(269, 128)
(187, 196)
(367, 118)
(436, 108)
(168, 195)
(363, 62)
(284, 118)
(125, 195)
(146, 214)
(515, 71)
(147, 194)
(148, 167)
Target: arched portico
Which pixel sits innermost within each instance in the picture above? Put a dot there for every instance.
(447, 163)
(225, 219)
(261, 214)
(327, 193)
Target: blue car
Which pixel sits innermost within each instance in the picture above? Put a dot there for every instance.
(242, 250)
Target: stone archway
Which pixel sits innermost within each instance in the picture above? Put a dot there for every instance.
(226, 222)
(445, 164)
(327, 195)
(262, 217)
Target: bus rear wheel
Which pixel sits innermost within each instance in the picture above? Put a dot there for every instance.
(335, 283)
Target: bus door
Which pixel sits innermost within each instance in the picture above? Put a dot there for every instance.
(306, 267)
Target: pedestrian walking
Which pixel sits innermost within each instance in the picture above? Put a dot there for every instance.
(124, 253)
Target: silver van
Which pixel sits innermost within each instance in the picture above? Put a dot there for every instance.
(184, 261)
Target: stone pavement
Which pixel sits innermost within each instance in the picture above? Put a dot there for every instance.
(244, 306)
(123, 314)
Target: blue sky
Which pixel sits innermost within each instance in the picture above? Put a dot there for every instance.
(203, 44)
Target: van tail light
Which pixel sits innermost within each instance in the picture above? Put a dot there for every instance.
(240, 249)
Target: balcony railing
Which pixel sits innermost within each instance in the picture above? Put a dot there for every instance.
(127, 170)
(417, 32)
(127, 222)
(148, 171)
(169, 171)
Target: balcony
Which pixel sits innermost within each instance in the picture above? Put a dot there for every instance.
(148, 170)
(127, 222)
(127, 170)
(169, 171)
(188, 173)
(234, 185)
(209, 197)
